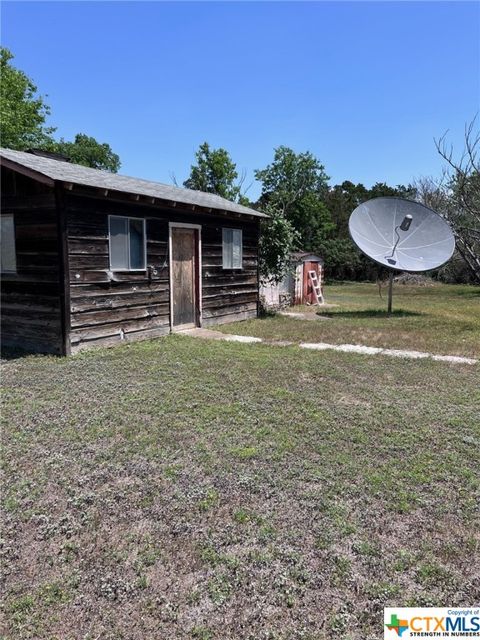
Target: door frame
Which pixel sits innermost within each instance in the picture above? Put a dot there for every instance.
(198, 269)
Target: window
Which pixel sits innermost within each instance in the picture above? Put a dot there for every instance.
(9, 259)
(127, 243)
(232, 248)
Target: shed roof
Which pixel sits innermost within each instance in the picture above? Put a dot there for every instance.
(304, 256)
(58, 170)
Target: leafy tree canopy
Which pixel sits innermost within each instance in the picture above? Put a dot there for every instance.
(342, 199)
(295, 185)
(22, 111)
(87, 151)
(23, 115)
(290, 177)
(214, 172)
(278, 239)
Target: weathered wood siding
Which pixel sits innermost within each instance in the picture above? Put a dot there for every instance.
(229, 294)
(107, 308)
(30, 299)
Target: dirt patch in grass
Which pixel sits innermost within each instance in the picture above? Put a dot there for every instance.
(192, 489)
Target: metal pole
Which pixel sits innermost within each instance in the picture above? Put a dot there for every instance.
(390, 293)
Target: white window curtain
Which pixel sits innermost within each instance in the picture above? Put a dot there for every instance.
(232, 249)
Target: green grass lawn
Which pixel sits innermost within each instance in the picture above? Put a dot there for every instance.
(183, 488)
(443, 319)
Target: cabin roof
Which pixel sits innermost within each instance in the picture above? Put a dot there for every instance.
(58, 170)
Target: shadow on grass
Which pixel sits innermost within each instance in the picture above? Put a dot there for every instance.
(16, 353)
(370, 313)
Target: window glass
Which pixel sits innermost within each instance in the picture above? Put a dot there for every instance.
(8, 256)
(118, 243)
(137, 247)
(237, 249)
(227, 248)
(232, 248)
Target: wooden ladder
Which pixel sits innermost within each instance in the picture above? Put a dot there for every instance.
(317, 290)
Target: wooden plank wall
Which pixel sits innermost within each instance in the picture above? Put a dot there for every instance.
(107, 308)
(228, 294)
(30, 299)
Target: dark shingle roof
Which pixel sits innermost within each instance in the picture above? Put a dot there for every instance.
(77, 174)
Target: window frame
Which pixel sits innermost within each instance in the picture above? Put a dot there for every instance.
(232, 268)
(13, 271)
(144, 229)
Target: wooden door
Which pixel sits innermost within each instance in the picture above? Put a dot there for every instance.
(308, 295)
(184, 293)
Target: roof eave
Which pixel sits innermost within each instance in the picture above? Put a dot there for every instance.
(154, 200)
(26, 171)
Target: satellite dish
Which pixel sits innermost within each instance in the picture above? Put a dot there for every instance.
(402, 235)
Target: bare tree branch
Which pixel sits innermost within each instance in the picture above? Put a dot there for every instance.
(456, 194)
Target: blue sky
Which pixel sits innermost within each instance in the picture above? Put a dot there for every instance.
(365, 86)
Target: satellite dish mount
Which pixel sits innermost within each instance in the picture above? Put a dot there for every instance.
(405, 226)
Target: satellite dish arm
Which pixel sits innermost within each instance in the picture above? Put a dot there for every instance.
(404, 226)
(390, 255)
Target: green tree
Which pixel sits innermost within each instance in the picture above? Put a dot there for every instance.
(343, 261)
(23, 115)
(278, 239)
(22, 111)
(89, 152)
(341, 200)
(382, 189)
(290, 177)
(215, 172)
(295, 184)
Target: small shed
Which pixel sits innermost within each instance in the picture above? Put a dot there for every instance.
(296, 287)
(303, 262)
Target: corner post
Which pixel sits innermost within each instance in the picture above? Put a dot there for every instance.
(63, 268)
(259, 231)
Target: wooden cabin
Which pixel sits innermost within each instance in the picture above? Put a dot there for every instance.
(296, 287)
(94, 258)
